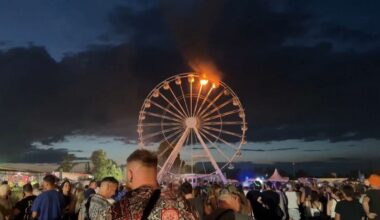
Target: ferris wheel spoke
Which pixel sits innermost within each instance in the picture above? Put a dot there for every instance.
(210, 156)
(196, 102)
(172, 143)
(223, 131)
(187, 141)
(204, 167)
(184, 100)
(180, 166)
(211, 103)
(223, 123)
(222, 115)
(176, 99)
(220, 139)
(187, 144)
(158, 124)
(172, 105)
(216, 147)
(173, 155)
(217, 108)
(166, 110)
(163, 152)
(161, 132)
(162, 116)
(191, 138)
(204, 100)
(191, 98)
(177, 132)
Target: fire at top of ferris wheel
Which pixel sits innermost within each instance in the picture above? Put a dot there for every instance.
(196, 125)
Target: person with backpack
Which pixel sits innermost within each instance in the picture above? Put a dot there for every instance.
(23, 208)
(95, 206)
(145, 200)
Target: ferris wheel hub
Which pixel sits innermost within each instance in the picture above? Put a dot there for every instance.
(191, 122)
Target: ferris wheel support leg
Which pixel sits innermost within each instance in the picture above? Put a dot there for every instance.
(212, 160)
(173, 155)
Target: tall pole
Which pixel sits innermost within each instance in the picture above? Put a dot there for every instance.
(294, 170)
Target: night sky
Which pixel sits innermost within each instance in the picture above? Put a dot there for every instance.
(73, 74)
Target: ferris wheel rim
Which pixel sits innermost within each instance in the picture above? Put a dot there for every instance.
(160, 85)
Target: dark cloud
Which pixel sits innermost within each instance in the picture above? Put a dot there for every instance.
(75, 151)
(289, 92)
(34, 155)
(314, 87)
(201, 148)
(344, 34)
(338, 159)
(253, 150)
(315, 150)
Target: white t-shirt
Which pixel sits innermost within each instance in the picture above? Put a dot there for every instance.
(333, 205)
(292, 200)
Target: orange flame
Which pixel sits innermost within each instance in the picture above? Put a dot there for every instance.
(207, 70)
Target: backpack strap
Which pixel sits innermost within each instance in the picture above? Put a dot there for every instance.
(87, 206)
(151, 203)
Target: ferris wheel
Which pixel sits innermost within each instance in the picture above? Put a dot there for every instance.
(195, 125)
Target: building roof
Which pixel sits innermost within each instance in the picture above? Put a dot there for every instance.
(39, 167)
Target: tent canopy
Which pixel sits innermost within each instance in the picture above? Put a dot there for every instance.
(276, 177)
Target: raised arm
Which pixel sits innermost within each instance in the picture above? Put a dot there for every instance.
(366, 208)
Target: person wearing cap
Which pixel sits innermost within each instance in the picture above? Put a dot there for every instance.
(371, 202)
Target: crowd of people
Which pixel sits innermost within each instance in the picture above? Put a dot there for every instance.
(143, 198)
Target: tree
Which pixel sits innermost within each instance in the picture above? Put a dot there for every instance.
(67, 163)
(104, 167)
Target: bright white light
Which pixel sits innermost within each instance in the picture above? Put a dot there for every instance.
(204, 82)
(191, 78)
(259, 180)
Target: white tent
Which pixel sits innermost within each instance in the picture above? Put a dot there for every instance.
(276, 177)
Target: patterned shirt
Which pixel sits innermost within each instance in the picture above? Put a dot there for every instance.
(168, 206)
(97, 209)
